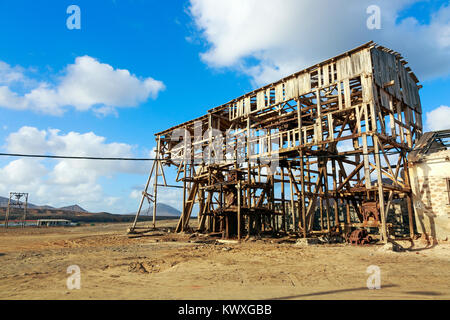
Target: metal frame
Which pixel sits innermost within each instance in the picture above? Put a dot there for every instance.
(17, 204)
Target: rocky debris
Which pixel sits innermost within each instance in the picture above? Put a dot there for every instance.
(307, 241)
(156, 234)
(204, 241)
(331, 239)
(285, 241)
(145, 267)
(392, 247)
(137, 267)
(29, 255)
(252, 238)
(228, 241)
(188, 230)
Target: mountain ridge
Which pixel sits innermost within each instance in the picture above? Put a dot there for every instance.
(162, 209)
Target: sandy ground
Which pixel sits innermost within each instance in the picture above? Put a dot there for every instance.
(34, 262)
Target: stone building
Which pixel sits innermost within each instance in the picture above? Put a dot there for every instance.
(429, 170)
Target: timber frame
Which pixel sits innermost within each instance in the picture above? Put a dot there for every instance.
(307, 155)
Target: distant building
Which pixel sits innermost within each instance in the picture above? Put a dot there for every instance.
(54, 222)
(20, 223)
(429, 170)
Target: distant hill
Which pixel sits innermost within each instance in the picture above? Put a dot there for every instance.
(162, 209)
(75, 208)
(46, 207)
(78, 214)
(3, 202)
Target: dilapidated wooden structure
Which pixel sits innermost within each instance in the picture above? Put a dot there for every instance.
(322, 151)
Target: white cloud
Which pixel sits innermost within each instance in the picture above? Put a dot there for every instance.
(63, 182)
(22, 172)
(10, 74)
(27, 139)
(136, 194)
(270, 39)
(87, 84)
(438, 119)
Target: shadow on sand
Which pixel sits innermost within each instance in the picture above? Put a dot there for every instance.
(329, 292)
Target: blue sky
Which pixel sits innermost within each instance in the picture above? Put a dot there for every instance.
(204, 53)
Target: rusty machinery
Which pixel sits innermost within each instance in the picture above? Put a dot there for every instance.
(359, 237)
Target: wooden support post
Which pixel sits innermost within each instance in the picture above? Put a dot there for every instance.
(302, 177)
(155, 187)
(239, 210)
(366, 162)
(321, 209)
(336, 206)
(380, 189)
(347, 211)
(24, 218)
(7, 212)
(409, 195)
(294, 225)
(201, 204)
(410, 216)
(183, 213)
(326, 197)
(299, 123)
(143, 197)
(283, 206)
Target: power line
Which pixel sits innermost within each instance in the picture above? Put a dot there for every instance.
(160, 159)
(74, 157)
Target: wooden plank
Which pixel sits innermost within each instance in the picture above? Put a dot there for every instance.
(325, 75)
(304, 83)
(291, 89)
(260, 100)
(340, 95)
(279, 93)
(347, 98)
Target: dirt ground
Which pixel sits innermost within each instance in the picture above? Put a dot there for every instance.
(34, 262)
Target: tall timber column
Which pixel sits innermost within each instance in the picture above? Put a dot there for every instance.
(144, 195)
(7, 213)
(299, 116)
(239, 210)
(248, 155)
(155, 189)
(183, 214)
(302, 176)
(376, 142)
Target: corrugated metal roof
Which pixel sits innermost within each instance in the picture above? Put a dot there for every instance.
(432, 141)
